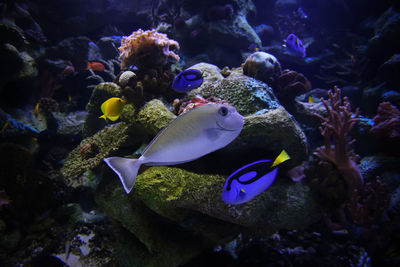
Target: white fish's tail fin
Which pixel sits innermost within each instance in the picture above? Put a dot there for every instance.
(126, 169)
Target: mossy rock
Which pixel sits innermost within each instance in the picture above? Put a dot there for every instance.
(106, 142)
(154, 116)
(155, 240)
(271, 132)
(247, 94)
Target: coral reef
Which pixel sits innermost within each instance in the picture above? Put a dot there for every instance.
(262, 66)
(289, 85)
(387, 127)
(147, 49)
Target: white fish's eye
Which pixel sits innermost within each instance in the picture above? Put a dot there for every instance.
(223, 111)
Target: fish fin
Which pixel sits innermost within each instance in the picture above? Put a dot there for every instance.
(283, 156)
(113, 118)
(213, 133)
(89, 65)
(103, 107)
(126, 169)
(103, 117)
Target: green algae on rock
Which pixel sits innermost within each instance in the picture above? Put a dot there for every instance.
(247, 94)
(166, 244)
(272, 131)
(108, 140)
(154, 116)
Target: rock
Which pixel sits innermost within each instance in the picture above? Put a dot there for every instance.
(270, 132)
(246, 94)
(212, 74)
(236, 32)
(16, 65)
(165, 243)
(154, 116)
(390, 71)
(75, 49)
(108, 141)
(70, 124)
(109, 47)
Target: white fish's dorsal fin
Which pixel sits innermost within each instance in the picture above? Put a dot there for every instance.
(178, 119)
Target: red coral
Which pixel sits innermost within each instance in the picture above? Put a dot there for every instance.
(336, 128)
(387, 125)
(195, 102)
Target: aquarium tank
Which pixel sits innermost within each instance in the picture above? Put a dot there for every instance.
(199, 133)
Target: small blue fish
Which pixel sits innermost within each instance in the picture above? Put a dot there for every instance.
(187, 80)
(295, 46)
(245, 184)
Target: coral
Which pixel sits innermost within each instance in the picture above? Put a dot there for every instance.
(289, 85)
(47, 105)
(89, 150)
(125, 78)
(336, 128)
(387, 126)
(262, 66)
(182, 107)
(147, 48)
(367, 207)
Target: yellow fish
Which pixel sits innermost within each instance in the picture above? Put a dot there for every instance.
(283, 156)
(4, 127)
(311, 99)
(112, 108)
(36, 110)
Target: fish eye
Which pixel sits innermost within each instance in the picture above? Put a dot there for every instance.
(223, 111)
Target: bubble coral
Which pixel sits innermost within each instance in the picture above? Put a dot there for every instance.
(262, 66)
(147, 48)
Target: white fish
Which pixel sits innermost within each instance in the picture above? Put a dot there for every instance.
(190, 136)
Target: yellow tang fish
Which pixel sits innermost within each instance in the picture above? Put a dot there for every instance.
(283, 156)
(112, 108)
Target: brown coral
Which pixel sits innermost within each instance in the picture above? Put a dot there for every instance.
(289, 85)
(147, 48)
(336, 128)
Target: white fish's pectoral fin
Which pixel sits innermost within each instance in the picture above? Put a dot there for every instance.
(213, 133)
(126, 169)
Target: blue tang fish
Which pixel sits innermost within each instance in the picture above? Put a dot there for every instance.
(190, 136)
(246, 183)
(187, 80)
(295, 46)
